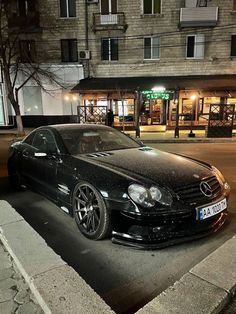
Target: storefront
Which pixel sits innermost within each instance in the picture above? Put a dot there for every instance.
(187, 99)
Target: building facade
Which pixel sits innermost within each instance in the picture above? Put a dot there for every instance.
(175, 57)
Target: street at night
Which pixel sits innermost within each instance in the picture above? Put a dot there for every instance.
(126, 278)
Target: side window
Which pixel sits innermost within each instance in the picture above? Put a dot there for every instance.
(29, 139)
(44, 141)
(195, 46)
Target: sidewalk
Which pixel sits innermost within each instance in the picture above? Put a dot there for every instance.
(15, 295)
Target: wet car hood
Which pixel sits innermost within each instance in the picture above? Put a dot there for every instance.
(163, 168)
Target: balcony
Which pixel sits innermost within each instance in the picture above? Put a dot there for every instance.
(103, 22)
(27, 24)
(198, 16)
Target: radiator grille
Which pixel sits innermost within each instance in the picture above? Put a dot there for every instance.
(192, 193)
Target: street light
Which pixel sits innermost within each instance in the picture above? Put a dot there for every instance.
(71, 98)
(193, 98)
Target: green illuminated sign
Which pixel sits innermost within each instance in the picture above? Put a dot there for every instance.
(150, 94)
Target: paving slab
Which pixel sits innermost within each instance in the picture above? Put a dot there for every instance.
(219, 268)
(64, 291)
(189, 295)
(6, 215)
(29, 248)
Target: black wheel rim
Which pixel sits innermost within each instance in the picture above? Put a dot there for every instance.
(87, 209)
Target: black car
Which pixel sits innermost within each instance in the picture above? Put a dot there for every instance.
(113, 185)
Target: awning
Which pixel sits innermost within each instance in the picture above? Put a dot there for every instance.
(127, 84)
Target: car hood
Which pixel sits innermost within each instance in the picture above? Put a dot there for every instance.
(163, 168)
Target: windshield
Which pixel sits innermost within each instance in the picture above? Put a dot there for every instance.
(86, 141)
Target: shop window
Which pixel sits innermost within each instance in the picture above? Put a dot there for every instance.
(27, 51)
(233, 46)
(151, 6)
(151, 47)
(67, 8)
(69, 51)
(195, 46)
(109, 49)
(35, 107)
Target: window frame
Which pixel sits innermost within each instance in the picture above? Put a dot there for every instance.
(110, 48)
(68, 14)
(151, 48)
(27, 55)
(233, 40)
(153, 6)
(196, 53)
(69, 43)
(234, 5)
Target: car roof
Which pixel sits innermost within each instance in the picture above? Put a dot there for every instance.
(74, 126)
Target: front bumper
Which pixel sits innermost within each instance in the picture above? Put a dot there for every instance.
(158, 231)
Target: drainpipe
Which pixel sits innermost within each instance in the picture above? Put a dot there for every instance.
(86, 36)
(176, 99)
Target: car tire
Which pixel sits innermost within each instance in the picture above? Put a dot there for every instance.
(90, 212)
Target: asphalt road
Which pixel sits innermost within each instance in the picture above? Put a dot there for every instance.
(126, 278)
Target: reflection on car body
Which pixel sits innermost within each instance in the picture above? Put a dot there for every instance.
(114, 186)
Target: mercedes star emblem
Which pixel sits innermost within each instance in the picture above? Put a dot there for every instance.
(205, 189)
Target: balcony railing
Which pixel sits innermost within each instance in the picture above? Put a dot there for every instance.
(109, 21)
(198, 16)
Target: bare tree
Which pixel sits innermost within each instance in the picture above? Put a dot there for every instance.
(12, 66)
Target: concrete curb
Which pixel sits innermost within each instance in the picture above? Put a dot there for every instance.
(196, 140)
(55, 285)
(206, 288)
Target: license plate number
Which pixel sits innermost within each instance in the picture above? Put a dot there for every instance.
(211, 210)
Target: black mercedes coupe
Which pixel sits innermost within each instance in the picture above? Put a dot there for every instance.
(115, 186)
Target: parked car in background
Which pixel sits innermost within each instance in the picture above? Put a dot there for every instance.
(114, 186)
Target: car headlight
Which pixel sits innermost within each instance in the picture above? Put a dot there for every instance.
(148, 197)
(221, 178)
(219, 175)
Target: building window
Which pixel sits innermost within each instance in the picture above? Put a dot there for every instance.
(201, 3)
(233, 46)
(109, 49)
(151, 47)
(27, 51)
(25, 7)
(69, 51)
(195, 46)
(67, 8)
(108, 7)
(234, 5)
(151, 6)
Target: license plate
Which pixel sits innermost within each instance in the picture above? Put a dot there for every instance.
(211, 210)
